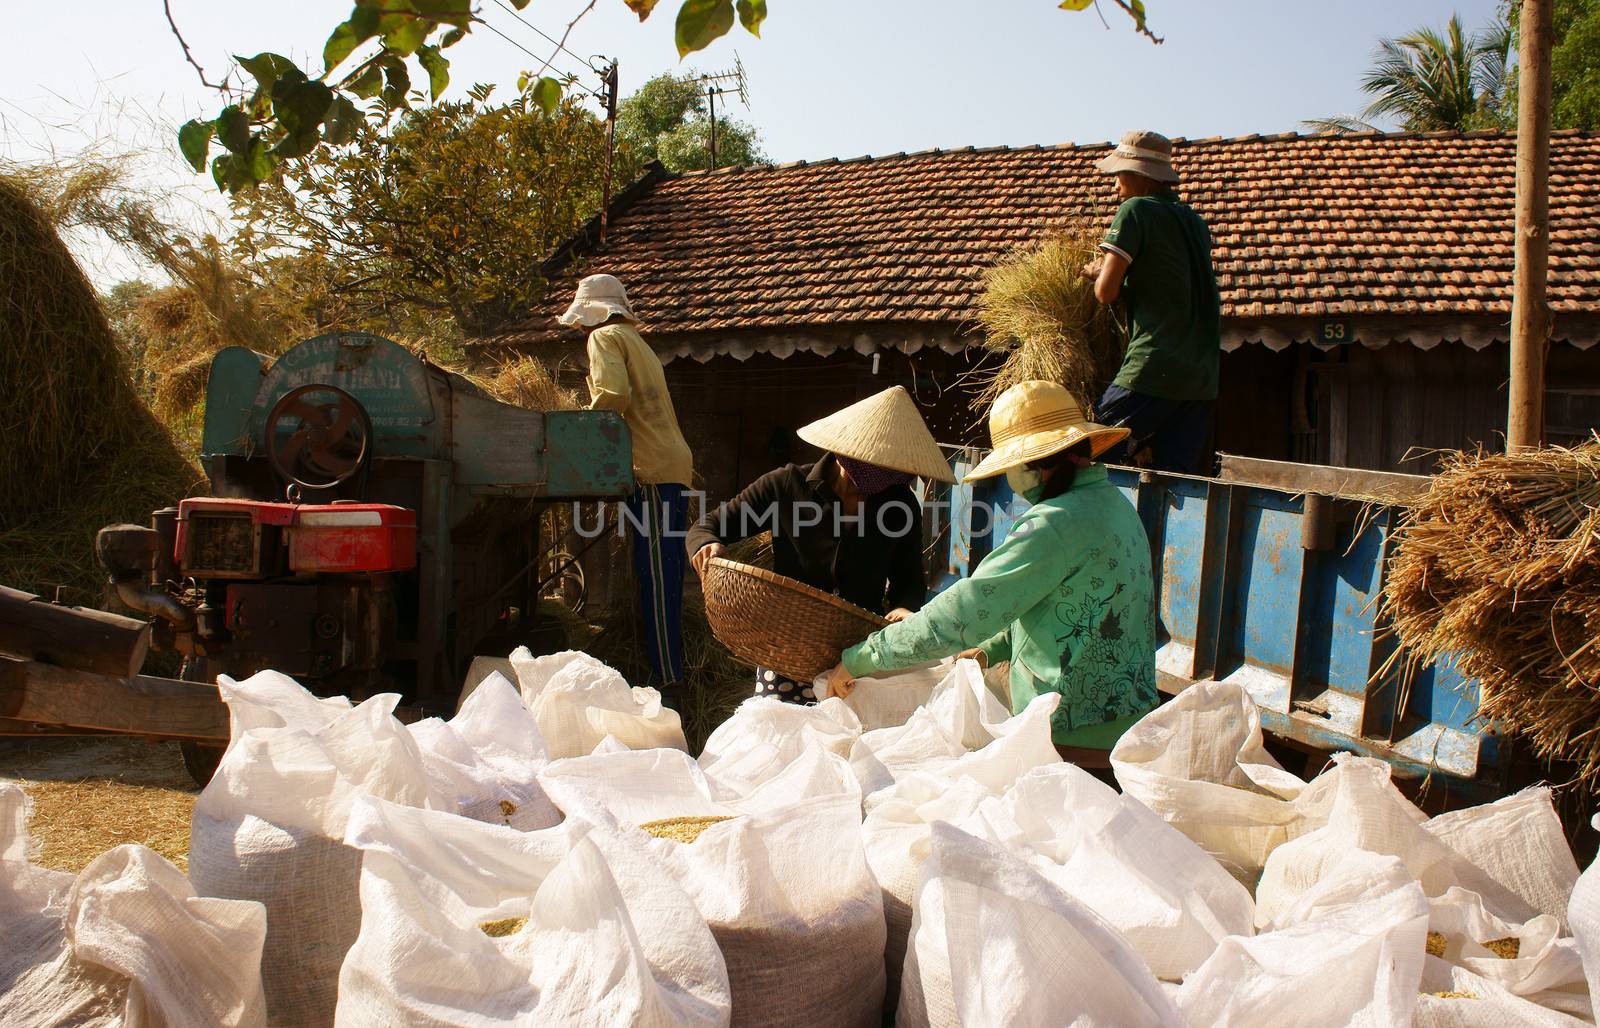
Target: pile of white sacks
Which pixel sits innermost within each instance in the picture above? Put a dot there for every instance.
(913, 848)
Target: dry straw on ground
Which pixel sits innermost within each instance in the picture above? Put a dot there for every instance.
(1040, 317)
(1498, 567)
(89, 795)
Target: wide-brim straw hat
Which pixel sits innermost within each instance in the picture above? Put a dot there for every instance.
(885, 429)
(598, 299)
(1034, 420)
(1142, 151)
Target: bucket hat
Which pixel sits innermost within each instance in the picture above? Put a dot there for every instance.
(1033, 420)
(598, 297)
(885, 429)
(1148, 153)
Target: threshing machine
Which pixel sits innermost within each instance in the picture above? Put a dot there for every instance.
(373, 521)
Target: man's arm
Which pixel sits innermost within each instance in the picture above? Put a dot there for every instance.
(609, 388)
(1108, 283)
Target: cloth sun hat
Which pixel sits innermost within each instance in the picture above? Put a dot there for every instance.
(1031, 421)
(598, 297)
(885, 429)
(1148, 153)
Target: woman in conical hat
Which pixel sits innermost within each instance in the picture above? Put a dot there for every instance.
(1067, 598)
(848, 524)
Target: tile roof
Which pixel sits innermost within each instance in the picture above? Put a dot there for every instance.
(1305, 227)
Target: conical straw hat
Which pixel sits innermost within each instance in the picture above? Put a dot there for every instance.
(884, 429)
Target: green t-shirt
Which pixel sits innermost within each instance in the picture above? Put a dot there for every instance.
(1174, 313)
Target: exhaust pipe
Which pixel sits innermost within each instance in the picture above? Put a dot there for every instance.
(129, 553)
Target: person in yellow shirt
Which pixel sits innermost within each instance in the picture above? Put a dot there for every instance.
(626, 376)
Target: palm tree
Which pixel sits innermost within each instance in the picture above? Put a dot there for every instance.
(1430, 82)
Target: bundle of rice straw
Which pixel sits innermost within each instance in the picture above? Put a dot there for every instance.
(1038, 310)
(1498, 566)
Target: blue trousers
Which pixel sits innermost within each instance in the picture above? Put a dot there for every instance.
(1174, 431)
(658, 521)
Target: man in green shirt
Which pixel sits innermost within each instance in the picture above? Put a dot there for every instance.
(1157, 260)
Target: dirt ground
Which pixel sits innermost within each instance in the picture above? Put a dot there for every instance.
(90, 795)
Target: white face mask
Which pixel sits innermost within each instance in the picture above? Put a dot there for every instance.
(1023, 480)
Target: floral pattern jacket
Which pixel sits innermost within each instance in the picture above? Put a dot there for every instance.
(1067, 598)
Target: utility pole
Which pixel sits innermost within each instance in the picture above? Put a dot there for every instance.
(1530, 313)
(608, 80)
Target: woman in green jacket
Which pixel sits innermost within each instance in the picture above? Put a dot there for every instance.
(1067, 598)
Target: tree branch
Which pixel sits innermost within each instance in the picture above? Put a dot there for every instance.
(1138, 19)
(188, 56)
(561, 44)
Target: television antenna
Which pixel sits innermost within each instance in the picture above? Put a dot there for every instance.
(733, 82)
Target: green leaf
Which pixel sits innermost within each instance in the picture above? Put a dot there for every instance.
(342, 122)
(233, 128)
(751, 14)
(362, 26)
(438, 68)
(451, 12)
(297, 144)
(194, 140)
(300, 106)
(258, 162)
(267, 68)
(452, 37)
(405, 33)
(397, 83)
(222, 170)
(701, 22)
(547, 94)
(642, 7)
(1076, 5)
(368, 84)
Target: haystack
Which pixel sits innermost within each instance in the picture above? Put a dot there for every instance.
(1041, 320)
(81, 450)
(1498, 568)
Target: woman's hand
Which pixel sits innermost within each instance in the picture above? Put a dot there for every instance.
(975, 654)
(703, 556)
(897, 614)
(840, 682)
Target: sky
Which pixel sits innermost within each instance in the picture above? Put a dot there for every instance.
(828, 78)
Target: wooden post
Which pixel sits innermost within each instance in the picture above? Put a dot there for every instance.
(72, 637)
(1530, 315)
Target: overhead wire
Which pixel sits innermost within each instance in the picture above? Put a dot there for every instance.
(560, 46)
(491, 27)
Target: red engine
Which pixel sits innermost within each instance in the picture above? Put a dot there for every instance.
(247, 538)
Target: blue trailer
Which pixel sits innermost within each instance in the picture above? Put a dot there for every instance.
(1268, 576)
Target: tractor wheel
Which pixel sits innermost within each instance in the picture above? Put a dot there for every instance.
(199, 759)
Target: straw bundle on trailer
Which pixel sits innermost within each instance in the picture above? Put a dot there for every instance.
(1039, 315)
(1498, 565)
(81, 450)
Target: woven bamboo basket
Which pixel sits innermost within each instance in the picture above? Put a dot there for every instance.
(778, 623)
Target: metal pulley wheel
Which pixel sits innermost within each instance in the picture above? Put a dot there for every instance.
(318, 436)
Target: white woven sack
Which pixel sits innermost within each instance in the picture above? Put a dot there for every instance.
(1199, 762)
(1583, 916)
(961, 715)
(1349, 953)
(607, 940)
(1366, 813)
(1518, 842)
(1547, 970)
(1170, 900)
(994, 943)
(270, 826)
(1454, 997)
(126, 942)
(578, 701)
(765, 735)
(897, 830)
(485, 761)
(889, 698)
(479, 671)
(784, 885)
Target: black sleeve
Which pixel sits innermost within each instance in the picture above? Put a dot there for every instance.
(747, 514)
(908, 580)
